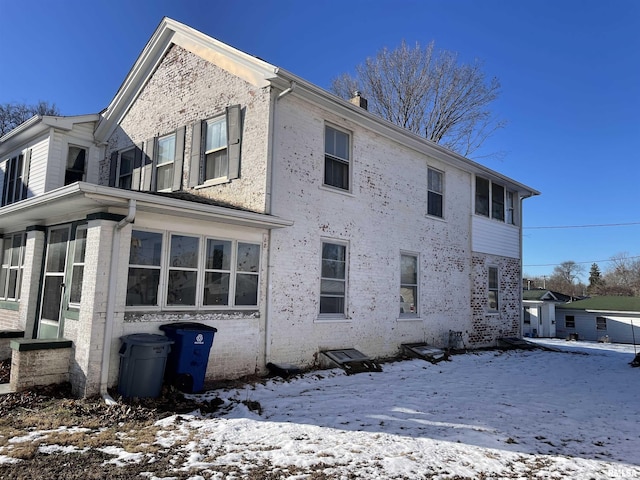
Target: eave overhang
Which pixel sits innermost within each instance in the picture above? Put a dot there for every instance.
(76, 201)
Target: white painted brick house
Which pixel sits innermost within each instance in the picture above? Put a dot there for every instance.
(220, 189)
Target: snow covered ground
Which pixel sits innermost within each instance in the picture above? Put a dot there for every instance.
(517, 414)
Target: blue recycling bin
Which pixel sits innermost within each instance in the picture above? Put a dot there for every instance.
(143, 357)
(188, 359)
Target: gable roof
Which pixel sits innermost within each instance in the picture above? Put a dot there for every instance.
(260, 73)
(605, 304)
(542, 294)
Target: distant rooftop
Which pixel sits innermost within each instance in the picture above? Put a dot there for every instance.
(605, 303)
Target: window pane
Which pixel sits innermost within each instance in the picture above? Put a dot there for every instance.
(216, 165)
(126, 161)
(331, 304)
(166, 149)
(181, 288)
(493, 300)
(497, 202)
(3, 281)
(493, 278)
(13, 284)
(248, 257)
(336, 143)
(16, 246)
(246, 289)
(76, 158)
(336, 173)
(216, 134)
(184, 252)
(435, 181)
(408, 269)
(482, 196)
(57, 250)
(164, 177)
(218, 255)
(335, 287)
(146, 248)
(76, 285)
(52, 289)
(142, 286)
(408, 297)
(216, 288)
(434, 205)
(80, 245)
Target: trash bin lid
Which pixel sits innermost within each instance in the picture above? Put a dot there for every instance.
(192, 326)
(146, 339)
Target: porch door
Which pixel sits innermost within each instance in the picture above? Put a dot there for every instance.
(53, 285)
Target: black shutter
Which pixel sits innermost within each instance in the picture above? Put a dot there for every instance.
(113, 169)
(137, 168)
(178, 159)
(194, 161)
(148, 164)
(234, 140)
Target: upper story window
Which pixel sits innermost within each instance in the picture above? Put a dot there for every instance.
(336, 158)
(435, 193)
(76, 170)
(165, 161)
(493, 200)
(16, 172)
(215, 149)
(333, 281)
(12, 262)
(216, 162)
(126, 167)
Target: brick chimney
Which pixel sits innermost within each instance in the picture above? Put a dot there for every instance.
(359, 100)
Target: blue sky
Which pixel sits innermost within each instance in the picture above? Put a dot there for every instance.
(570, 75)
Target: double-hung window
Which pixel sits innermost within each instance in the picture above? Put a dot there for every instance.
(435, 193)
(601, 323)
(216, 162)
(165, 161)
(333, 281)
(12, 262)
(76, 165)
(195, 272)
(570, 321)
(15, 172)
(408, 284)
(336, 158)
(493, 284)
(125, 169)
(494, 201)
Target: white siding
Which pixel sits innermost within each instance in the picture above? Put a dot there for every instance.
(495, 238)
(38, 167)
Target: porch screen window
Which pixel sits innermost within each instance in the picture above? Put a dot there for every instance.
(494, 201)
(144, 268)
(435, 196)
(336, 158)
(333, 278)
(76, 165)
(164, 165)
(183, 270)
(12, 262)
(408, 284)
(77, 273)
(15, 178)
(493, 289)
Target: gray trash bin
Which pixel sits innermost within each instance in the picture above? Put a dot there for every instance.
(143, 357)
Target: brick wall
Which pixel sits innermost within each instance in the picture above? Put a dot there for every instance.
(488, 327)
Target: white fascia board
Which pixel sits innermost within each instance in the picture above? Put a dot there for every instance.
(366, 119)
(67, 123)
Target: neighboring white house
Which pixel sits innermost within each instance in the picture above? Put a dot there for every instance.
(221, 189)
(539, 312)
(615, 318)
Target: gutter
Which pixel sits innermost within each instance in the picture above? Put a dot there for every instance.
(111, 301)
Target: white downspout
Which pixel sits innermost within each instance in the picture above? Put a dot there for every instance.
(111, 301)
(267, 320)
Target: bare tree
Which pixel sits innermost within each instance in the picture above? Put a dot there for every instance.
(13, 114)
(565, 279)
(623, 276)
(429, 93)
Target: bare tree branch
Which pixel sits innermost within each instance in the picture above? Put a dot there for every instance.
(14, 114)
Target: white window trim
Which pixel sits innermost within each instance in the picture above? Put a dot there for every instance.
(157, 164)
(72, 255)
(410, 317)
(334, 317)
(349, 161)
(224, 178)
(9, 267)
